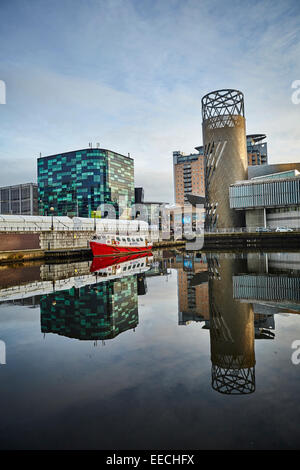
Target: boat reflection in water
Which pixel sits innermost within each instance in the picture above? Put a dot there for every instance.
(99, 311)
(233, 297)
(121, 265)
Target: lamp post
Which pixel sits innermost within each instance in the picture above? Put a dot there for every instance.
(52, 210)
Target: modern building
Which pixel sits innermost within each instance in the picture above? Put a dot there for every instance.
(186, 220)
(157, 214)
(264, 170)
(224, 139)
(21, 199)
(75, 183)
(270, 199)
(257, 150)
(139, 195)
(189, 175)
(152, 212)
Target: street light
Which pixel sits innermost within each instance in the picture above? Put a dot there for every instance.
(52, 210)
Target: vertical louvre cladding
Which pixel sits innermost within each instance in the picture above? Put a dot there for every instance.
(76, 183)
(265, 194)
(224, 139)
(20, 199)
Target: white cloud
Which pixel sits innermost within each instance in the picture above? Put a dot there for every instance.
(131, 76)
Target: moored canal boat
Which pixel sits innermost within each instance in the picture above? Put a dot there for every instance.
(110, 244)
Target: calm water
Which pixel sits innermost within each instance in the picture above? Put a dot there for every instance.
(179, 351)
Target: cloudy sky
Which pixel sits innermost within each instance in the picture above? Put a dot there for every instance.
(130, 74)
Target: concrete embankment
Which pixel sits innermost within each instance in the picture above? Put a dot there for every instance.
(248, 240)
(18, 247)
(75, 245)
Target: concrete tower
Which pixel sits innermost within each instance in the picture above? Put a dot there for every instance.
(224, 139)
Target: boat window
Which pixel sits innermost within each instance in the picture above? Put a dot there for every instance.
(123, 239)
(134, 266)
(118, 239)
(128, 239)
(124, 269)
(138, 265)
(129, 267)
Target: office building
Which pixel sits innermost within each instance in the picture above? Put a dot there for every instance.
(265, 170)
(21, 199)
(139, 195)
(189, 176)
(271, 198)
(75, 183)
(257, 150)
(155, 213)
(224, 139)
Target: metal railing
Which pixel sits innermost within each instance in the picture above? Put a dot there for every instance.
(251, 230)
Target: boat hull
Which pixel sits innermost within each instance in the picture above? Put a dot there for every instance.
(102, 249)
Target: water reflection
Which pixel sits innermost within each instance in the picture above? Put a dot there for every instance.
(231, 330)
(98, 312)
(235, 297)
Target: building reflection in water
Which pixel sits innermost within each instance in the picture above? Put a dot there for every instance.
(235, 297)
(97, 312)
(102, 310)
(205, 295)
(193, 302)
(231, 331)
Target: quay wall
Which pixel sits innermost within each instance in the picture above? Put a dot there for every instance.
(56, 244)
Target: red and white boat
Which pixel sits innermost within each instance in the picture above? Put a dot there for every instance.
(108, 244)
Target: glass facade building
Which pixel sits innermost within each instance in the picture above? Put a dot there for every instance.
(76, 183)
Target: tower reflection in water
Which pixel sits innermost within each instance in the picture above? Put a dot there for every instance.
(231, 330)
(236, 297)
(205, 294)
